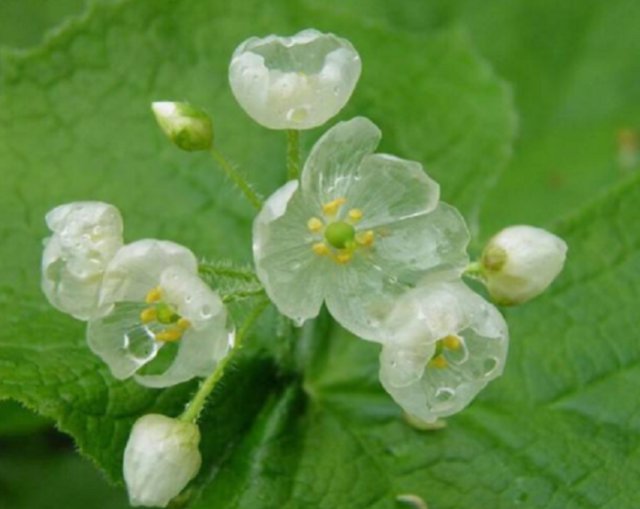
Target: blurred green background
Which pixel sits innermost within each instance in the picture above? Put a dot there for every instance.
(574, 69)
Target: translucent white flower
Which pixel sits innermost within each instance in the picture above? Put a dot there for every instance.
(155, 304)
(86, 235)
(160, 459)
(520, 262)
(188, 127)
(445, 344)
(296, 82)
(354, 233)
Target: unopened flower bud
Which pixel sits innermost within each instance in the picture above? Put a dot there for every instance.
(160, 459)
(188, 127)
(520, 262)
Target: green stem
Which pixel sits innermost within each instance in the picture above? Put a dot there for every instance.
(237, 179)
(195, 406)
(475, 270)
(293, 154)
(227, 271)
(242, 294)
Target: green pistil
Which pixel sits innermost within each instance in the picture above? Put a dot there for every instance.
(340, 234)
(166, 314)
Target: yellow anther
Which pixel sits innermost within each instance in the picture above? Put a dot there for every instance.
(355, 215)
(452, 343)
(148, 315)
(344, 257)
(154, 295)
(315, 225)
(321, 249)
(169, 335)
(365, 238)
(332, 208)
(183, 324)
(439, 362)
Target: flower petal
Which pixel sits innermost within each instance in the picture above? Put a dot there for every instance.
(136, 269)
(443, 309)
(206, 341)
(296, 82)
(86, 235)
(332, 165)
(121, 340)
(432, 242)
(389, 189)
(285, 263)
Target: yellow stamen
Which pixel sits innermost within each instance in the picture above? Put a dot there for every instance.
(321, 249)
(183, 324)
(148, 315)
(154, 295)
(365, 238)
(452, 342)
(344, 257)
(315, 225)
(355, 215)
(439, 362)
(332, 208)
(169, 335)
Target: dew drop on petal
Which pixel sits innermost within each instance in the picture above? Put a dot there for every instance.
(140, 345)
(206, 312)
(444, 394)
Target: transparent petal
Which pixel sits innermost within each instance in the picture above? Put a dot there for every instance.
(296, 82)
(432, 242)
(66, 290)
(442, 391)
(332, 165)
(359, 296)
(136, 269)
(285, 263)
(207, 340)
(388, 189)
(86, 235)
(122, 341)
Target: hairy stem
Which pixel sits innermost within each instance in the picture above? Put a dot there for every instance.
(237, 178)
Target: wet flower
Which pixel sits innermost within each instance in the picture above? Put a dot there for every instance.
(445, 343)
(86, 235)
(355, 232)
(155, 303)
(520, 262)
(160, 459)
(296, 82)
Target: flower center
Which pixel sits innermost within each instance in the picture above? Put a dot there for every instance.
(444, 346)
(163, 313)
(338, 236)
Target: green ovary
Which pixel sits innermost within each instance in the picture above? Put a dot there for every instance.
(340, 234)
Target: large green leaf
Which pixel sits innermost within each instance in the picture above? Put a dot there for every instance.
(573, 67)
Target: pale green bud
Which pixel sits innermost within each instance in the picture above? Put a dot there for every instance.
(188, 127)
(160, 459)
(520, 262)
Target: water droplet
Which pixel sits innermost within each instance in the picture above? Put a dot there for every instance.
(188, 299)
(140, 344)
(206, 312)
(336, 90)
(444, 394)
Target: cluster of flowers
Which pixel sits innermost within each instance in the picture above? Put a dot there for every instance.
(364, 233)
